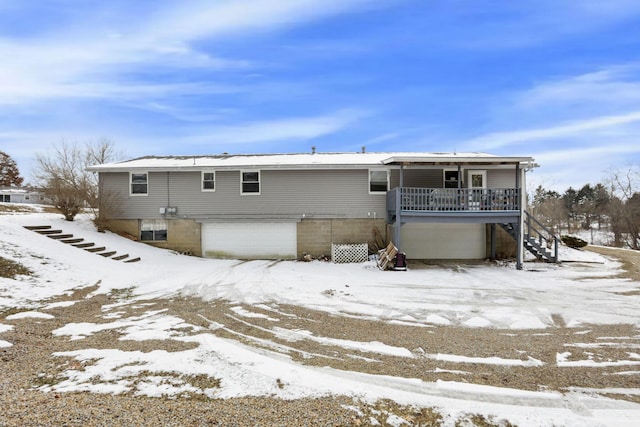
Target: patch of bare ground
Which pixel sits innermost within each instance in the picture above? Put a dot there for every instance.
(14, 208)
(630, 260)
(10, 269)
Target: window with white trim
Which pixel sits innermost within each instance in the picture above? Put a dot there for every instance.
(378, 181)
(250, 182)
(208, 181)
(139, 183)
(153, 230)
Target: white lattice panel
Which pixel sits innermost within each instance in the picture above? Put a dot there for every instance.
(345, 253)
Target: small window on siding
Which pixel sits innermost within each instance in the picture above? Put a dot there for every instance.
(451, 179)
(378, 181)
(208, 181)
(250, 182)
(139, 184)
(153, 230)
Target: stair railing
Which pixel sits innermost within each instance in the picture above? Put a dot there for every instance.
(544, 237)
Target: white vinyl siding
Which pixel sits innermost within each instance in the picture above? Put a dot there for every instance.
(249, 240)
(320, 193)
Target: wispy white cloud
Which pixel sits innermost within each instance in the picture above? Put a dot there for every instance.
(296, 128)
(520, 24)
(576, 127)
(81, 62)
(573, 167)
(597, 154)
(613, 87)
(198, 19)
(500, 139)
(183, 22)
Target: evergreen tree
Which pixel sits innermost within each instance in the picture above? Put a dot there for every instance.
(9, 173)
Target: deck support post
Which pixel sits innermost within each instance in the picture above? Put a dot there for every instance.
(493, 241)
(399, 209)
(520, 227)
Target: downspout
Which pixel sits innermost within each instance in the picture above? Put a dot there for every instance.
(168, 190)
(520, 229)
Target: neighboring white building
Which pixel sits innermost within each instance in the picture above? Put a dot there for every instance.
(21, 195)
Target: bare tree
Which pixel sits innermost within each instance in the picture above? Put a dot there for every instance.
(549, 207)
(624, 209)
(64, 179)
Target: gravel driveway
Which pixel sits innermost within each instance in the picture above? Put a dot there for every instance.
(29, 364)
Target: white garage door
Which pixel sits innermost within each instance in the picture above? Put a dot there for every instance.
(443, 241)
(249, 240)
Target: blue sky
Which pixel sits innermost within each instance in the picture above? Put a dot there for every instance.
(556, 80)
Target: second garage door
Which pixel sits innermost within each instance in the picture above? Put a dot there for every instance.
(249, 240)
(443, 241)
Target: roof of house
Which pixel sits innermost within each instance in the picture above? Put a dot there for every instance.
(302, 161)
(17, 190)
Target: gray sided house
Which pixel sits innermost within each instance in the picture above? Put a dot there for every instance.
(431, 205)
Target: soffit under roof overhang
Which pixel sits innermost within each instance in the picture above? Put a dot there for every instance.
(456, 161)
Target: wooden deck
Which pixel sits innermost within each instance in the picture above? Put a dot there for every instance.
(453, 204)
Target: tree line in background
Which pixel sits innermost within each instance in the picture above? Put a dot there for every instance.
(613, 205)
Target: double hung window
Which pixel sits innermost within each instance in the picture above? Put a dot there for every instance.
(208, 181)
(139, 184)
(250, 182)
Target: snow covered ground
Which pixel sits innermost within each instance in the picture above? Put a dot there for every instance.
(474, 296)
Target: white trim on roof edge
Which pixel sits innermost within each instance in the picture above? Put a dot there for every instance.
(300, 161)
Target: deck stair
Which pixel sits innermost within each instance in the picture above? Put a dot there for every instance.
(48, 232)
(538, 239)
(59, 236)
(96, 249)
(83, 245)
(37, 227)
(74, 240)
(79, 242)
